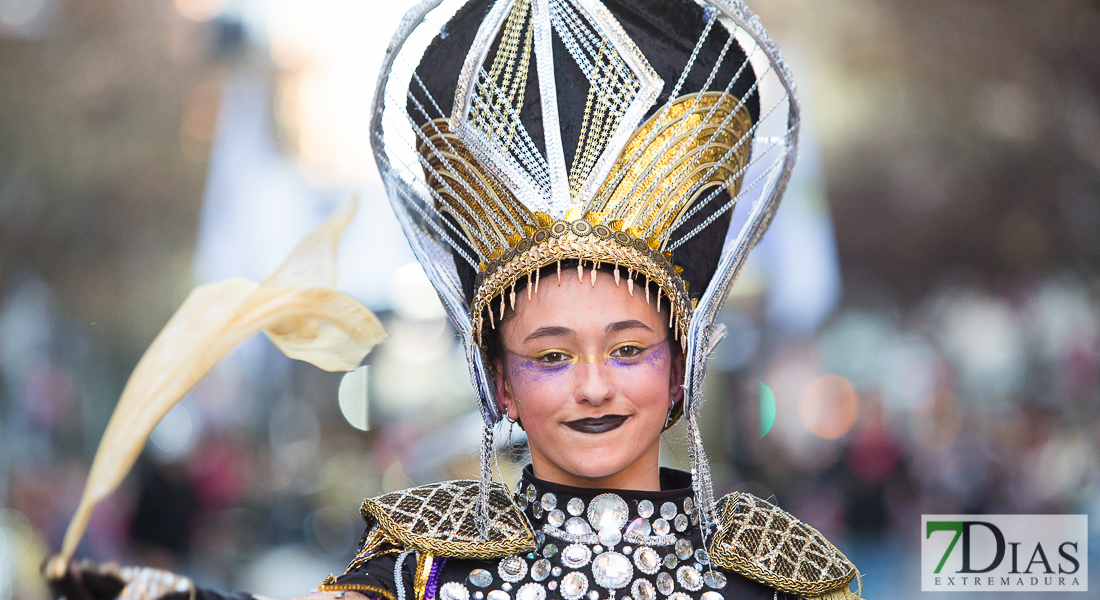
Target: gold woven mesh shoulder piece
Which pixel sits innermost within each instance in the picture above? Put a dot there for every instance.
(763, 542)
(439, 519)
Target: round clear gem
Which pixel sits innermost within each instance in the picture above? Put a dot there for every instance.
(506, 586)
(549, 502)
(532, 493)
(556, 571)
(679, 596)
(714, 580)
(712, 595)
(645, 509)
(454, 591)
(577, 526)
(660, 527)
(643, 590)
(627, 550)
(688, 504)
(512, 569)
(531, 591)
(647, 560)
(574, 585)
(597, 548)
(610, 536)
(540, 570)
(576, 556)
(683, 549)
(549, 550)
(498, 595)
(612, 570)
(555, 518)
(665, 585)
(702, 556)
(553, 585)
(575, 506)
(479, 594)
(607, 510)
(671, 561)
(593, 595)
(689, 578)
(480, 578)
(680, 522)
(668, 510)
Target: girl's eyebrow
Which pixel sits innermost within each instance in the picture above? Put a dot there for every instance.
(553, 331)
(624, 325)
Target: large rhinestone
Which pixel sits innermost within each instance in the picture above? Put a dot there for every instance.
(660, 527)
(689, 578)
(481, 578)
(609, 536)
(555, 518)
(531, 591)
(668, 510)
(683, 549)
(643, 590)
(576, 556)
(639, 527)
(549, 501)
(574, 585)
(680, 522)
(498, 595)
(647, 559)
(575, 506)
(712, 596)
(607, 510)
(665, 585)
(512, 569)
(714, 579)
(454, 591)
(612, 570)
(577, 526)
(645, 509)
(540, 570)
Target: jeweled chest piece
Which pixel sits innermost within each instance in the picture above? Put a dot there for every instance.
(603, 547)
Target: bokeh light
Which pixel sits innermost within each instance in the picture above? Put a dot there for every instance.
(828, 406)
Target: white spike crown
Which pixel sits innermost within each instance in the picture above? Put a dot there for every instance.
(473, 185)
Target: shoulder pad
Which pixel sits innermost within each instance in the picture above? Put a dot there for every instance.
(763, 542)
(439, 519)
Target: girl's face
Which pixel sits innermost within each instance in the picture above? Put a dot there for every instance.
(589, 370)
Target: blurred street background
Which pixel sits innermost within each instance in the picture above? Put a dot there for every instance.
(925, 312)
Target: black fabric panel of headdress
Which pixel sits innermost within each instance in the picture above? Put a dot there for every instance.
(665, 31)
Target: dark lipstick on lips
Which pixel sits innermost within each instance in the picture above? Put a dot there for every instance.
(600, 425)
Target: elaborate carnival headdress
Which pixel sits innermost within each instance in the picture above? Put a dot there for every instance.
(515, 134)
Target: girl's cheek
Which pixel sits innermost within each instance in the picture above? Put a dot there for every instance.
(656, 360)
(525, 373)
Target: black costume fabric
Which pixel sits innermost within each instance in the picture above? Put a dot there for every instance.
(678, 570)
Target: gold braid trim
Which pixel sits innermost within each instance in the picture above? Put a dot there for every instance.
(423, 570)
(440, 519)
(579, 239)
(372, 591)
(765, 543)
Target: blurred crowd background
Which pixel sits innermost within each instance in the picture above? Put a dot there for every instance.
(924, 316)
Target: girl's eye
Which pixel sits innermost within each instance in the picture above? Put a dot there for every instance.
(626, 351)
(553, 357)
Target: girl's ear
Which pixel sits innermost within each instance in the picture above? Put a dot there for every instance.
(676, 379)
(506, 401)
